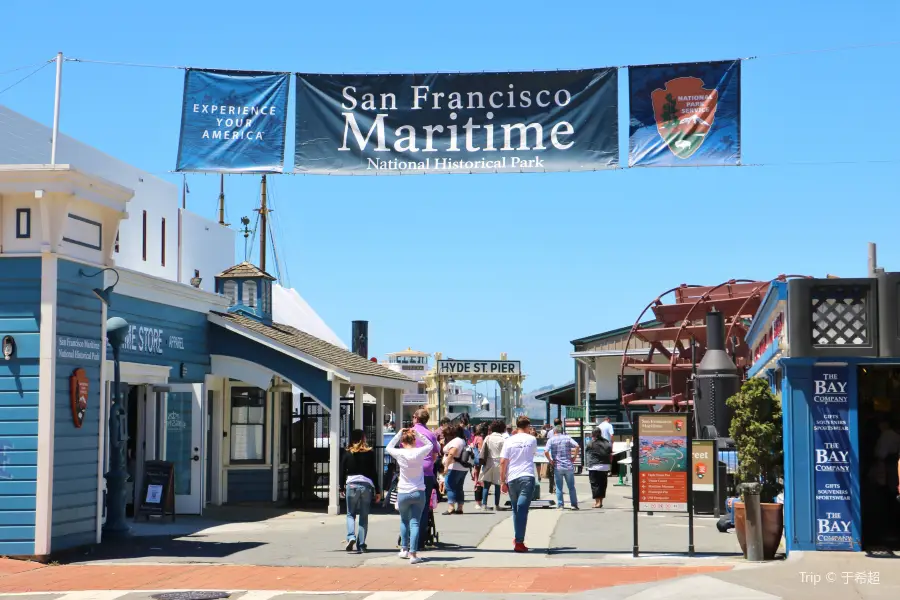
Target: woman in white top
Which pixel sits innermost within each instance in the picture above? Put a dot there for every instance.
(410, 487)
(456, 471)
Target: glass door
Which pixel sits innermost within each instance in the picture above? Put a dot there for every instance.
(183, 444)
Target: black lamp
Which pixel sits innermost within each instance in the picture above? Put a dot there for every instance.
(116, 525)
(106, 293)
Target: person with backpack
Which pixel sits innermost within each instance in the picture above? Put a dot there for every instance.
(457, 462)
(598, 453)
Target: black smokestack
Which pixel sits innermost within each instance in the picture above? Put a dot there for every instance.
(717, 380)
(360, 338)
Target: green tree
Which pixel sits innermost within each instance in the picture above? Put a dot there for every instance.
(669, 112)
(757, 432)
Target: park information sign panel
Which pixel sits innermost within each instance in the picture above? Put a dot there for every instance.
(527, 122)
(831, 448)
(662, 482)
(703, 466)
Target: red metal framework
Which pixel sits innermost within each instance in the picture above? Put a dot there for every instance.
(678, 325)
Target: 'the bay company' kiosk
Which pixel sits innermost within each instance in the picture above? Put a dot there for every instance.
(831, 348)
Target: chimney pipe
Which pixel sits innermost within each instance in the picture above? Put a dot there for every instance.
(360, 338)
(715, 330)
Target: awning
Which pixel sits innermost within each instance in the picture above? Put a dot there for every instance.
(246, 349)
(562, 396)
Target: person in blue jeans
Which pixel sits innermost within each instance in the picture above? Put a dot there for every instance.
(428, 466)
(455, 469)
(559, 452)
(410, 487)
(359, 485)
(517, 475)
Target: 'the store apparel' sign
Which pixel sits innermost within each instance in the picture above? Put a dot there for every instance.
(831, 456)
(150, 340)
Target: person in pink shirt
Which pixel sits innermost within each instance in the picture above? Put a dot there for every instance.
(421, 420)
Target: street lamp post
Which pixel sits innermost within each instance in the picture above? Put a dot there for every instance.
(116, 525)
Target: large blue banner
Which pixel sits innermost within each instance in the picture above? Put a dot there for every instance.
(457, 123)
(685, 115)
(832, 458)
(233, 121)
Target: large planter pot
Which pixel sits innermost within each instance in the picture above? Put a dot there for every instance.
(772, 525)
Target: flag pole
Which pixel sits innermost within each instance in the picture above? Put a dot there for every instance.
(57, 95)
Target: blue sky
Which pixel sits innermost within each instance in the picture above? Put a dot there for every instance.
(477, 265)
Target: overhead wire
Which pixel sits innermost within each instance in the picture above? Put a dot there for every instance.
(11, 86)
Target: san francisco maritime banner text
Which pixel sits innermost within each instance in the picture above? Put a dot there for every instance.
(457, 122)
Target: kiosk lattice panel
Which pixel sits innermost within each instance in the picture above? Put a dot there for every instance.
(839, 316)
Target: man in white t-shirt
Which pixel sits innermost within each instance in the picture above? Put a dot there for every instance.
(606, 429)
(517, 477)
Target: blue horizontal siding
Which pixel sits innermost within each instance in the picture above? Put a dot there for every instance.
(20, 309)
(250, 485)
(18, 398)
(75, 450)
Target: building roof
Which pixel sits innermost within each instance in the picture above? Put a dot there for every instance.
(408, 352)
(597, 337)
(563, 395)
(313, 346)
(244, 269)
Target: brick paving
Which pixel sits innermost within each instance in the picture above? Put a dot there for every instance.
(21, 576)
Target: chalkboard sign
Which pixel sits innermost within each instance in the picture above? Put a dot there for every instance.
(158, 492)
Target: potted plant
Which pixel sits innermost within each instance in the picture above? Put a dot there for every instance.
(756, 429)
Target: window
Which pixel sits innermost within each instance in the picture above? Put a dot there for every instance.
(230, 291)
(248, 425)
(117, 243)
(249, 294)
(144, 247)
(163, 236)
(267, 297)
(23, 223)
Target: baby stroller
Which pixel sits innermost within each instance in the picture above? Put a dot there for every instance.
(427, 531)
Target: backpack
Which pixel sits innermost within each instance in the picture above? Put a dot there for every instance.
(466, 457)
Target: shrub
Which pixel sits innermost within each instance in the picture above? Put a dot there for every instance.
(757, 432)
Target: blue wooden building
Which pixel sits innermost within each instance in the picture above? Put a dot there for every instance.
(210, 382)
(831, 349)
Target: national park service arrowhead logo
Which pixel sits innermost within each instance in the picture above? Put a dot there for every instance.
(684, 113)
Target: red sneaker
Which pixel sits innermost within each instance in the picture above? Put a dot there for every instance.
(520, 547)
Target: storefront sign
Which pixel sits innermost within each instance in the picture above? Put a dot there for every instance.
(479, 367)
(79, 387)
(150, 340)
(704, 454)
(663, 466)
(457, 122)
(80, 349)
(831, 448)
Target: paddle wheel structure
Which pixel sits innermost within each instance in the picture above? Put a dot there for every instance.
(678, 341)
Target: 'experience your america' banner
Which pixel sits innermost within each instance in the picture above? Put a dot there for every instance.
(685, 115)
(457, 123)
(233, 121)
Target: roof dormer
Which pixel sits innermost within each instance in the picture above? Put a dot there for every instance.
(248, 290)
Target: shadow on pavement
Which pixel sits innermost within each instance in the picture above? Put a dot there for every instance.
(155, 548)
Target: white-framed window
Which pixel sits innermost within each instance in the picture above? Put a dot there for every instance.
(248, 426)
(249, 294)
(230, 291)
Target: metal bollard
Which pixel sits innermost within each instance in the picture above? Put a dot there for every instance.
(753, 520)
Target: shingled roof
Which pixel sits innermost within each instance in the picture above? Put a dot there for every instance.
(313, 346)
(244, 269)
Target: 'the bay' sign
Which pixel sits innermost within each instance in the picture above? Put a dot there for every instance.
(479, 367)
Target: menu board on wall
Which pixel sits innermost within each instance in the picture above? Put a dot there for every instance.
(662, 470)
(831, 454)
